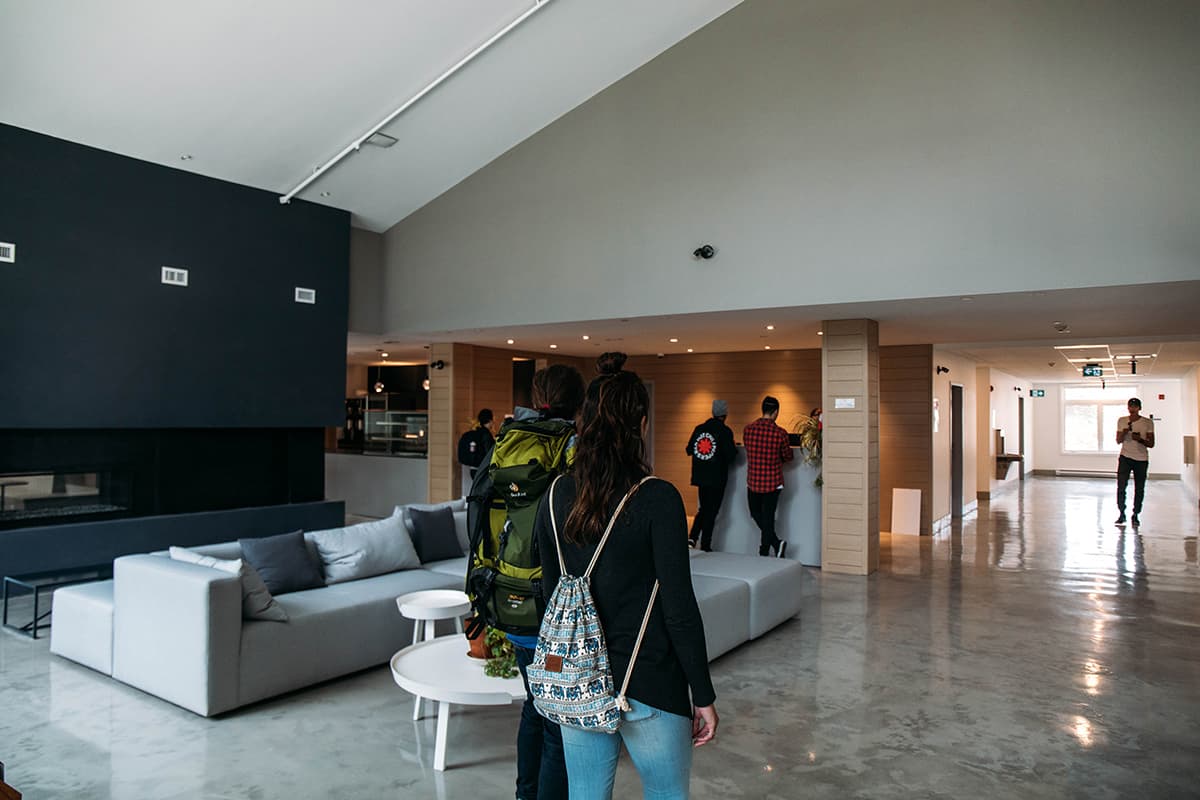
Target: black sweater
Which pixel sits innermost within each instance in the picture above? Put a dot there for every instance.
(649, 541)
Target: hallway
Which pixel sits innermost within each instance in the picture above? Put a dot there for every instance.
(1036, 650)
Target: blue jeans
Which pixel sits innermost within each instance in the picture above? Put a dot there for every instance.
(659, 744)
(541, 772)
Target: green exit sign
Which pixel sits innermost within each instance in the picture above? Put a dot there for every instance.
(1092, 370)
(1037, 392)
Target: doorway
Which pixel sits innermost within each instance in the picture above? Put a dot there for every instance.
(956, 451)
(1021, 436)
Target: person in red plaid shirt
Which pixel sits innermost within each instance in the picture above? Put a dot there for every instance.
(767, 448)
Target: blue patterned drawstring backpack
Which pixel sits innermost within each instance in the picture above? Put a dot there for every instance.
(570, 679)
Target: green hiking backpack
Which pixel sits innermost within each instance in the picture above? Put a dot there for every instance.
(504, 573)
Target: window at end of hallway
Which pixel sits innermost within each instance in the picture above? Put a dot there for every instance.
(1090, 416)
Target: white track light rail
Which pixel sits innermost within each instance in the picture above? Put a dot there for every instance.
(538, 5)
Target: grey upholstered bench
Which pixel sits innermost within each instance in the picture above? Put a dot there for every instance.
(83, 624)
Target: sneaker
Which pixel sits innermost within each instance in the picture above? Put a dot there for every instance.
(782, 549)
(692, 544)
(1120, 519)
(1136, 521)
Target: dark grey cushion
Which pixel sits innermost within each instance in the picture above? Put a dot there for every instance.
(433, 534)
(283, 562)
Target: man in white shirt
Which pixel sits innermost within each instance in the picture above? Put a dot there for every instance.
(1135, 434)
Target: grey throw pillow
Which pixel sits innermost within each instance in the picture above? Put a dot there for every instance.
(257, 602)
(433, 534)
(360, 551)
(283, 562)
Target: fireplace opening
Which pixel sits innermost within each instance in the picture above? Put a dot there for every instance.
(48, 497)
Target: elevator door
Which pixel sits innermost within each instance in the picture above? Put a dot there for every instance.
(956, 451)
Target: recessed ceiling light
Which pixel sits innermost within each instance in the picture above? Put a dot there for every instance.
(770, 327)
(766, 347)
(186, 157)
(690, 350)
(553, 347)
(586, 337)
(672, 340)
(510, 341)
(383, 355)
(820, 333)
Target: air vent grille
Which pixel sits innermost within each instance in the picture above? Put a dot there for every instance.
(174, 276)
(8, 252)
(306, 295)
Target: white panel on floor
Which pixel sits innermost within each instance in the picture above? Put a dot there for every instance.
(906, 511)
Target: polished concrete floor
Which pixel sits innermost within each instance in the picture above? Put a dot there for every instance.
(1037, 650)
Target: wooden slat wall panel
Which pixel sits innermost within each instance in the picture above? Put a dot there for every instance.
(686, 385)
(474, 378)
(850, 508)
(443, 431)
(906, 428)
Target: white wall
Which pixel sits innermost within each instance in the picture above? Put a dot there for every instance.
(998, 409)
(962, 373)
(1165, 458)
(1190, 399)
(835, 152)
(366, 280)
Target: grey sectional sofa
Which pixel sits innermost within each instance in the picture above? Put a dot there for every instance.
(176, 630)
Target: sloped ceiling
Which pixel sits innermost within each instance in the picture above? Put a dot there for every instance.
(260, 93)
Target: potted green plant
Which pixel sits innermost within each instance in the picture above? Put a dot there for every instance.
(808, 426)
(502, 658)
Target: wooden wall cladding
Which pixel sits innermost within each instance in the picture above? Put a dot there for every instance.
(474, 378)
(906, 428)
(685, 386)
(444, 409)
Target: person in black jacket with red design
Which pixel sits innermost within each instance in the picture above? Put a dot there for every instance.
(712, 450)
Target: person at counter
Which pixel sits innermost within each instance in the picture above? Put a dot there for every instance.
(712, 450)
(767, 448)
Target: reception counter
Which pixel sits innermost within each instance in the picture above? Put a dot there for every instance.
(797, 521)
(372, 485)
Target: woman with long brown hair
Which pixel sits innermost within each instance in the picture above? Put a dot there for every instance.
(648, 543)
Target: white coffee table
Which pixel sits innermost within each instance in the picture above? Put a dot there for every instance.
(440, 669)
(427, 607)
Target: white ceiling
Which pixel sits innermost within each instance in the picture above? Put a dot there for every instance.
(1014, 332)
(260, 93)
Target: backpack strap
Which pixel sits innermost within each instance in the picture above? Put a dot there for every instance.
(603, 539)
(611, 522)
(562, 567)
(622, 703)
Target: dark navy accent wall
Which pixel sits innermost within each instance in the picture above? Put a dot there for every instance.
(24, 551)
(90, 337)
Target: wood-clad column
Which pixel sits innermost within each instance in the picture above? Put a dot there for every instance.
(850, 446)
(449, 403)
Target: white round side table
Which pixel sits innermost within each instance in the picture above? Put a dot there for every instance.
(425, 608)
